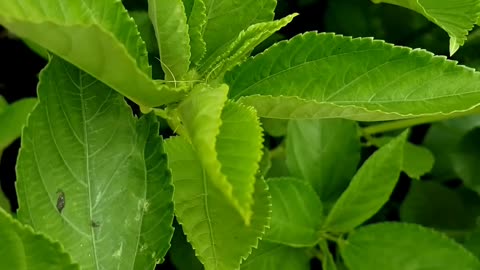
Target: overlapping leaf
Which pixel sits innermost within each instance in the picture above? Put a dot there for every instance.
(277, 256)
(297, 213)
(325, 153)
(417, 160)
(97, 36)
(434, 205)
(22, 249)
(242, 47)
(93, 177)
(370, 188)
(228, 141)
(328, 263)
(197, 19)
(328, 76)
(219, 14)
(171, 29)
(456, 17)
(12, 119)
(397, 246)
(215, 229)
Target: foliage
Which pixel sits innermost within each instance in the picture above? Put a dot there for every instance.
(260, 159)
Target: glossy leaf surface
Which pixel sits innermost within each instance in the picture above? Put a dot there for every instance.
(329, 76)
(93, 177)
(370, 188)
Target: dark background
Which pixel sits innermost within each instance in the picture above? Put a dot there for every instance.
(19, 66)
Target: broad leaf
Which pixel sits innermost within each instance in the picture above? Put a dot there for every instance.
(12, 119)
(214, 228)
(228, 141)
(171, 29)
(456, 17)
(270, 256)
(297, 213)
(97, 36)
(397, 246)
(433, 205)
(93, 177)
(443, 139)
(242, 47)
(324, 152)
(328, 263)
(370, 188)
(22, 249)
(219, 14)
(197, 19)
(417, 160)
(328, 76)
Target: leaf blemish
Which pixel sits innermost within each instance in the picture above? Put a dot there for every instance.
(60, 200)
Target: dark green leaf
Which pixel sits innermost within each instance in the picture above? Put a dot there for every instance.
(397, 246)
(433, 205)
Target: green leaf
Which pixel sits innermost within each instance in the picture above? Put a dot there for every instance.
(370, 188)
(197, 19)
(328, 263)
(4, 202)
(97, 36)
(91, 176)
(228, 142)
(12, 119)
(328, 76)
(3, 104)
(22, 249)
(270, 256)
(433, 205)
(472, 243)
(324, 152)
(417, 160)
(219, 14)
(171, 28)
(217, 232)
(181, 253)
(297, 213)
(145, 27)
(242, 47)
(456, 17)
(443, 139)
(278, 161)
(275, 127)
(465, 160)
(397, 246)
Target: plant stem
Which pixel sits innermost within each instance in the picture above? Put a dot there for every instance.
(406, 123)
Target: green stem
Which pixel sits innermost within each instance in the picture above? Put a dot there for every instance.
(401, 124)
